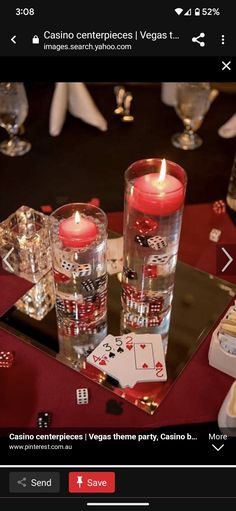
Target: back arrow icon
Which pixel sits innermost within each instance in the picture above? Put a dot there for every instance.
(13, 39)
(230, 259)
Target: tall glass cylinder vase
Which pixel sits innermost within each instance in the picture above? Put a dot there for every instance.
(78, 238)
(231, 194)
(154, 198)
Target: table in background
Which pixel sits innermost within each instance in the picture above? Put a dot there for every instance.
(83, 162)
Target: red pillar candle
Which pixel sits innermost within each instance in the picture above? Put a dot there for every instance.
(77, 231)
(157, 193)
(154, 198)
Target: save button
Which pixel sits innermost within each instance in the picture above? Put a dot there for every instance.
(92, 482)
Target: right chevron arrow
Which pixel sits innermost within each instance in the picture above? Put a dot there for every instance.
(230, 259)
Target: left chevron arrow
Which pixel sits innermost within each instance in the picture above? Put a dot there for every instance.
(6, 261)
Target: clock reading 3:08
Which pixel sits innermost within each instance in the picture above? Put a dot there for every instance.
(25, 11)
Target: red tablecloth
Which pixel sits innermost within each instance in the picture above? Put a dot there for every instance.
(38, 382)
(196, 248)
(12, 288)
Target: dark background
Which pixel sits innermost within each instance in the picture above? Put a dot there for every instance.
(83, 162)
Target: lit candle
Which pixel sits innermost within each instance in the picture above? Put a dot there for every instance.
(77, 231)
(157, 193)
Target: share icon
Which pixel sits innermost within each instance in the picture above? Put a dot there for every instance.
(196, 39)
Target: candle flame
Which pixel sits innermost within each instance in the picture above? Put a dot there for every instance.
(77, 217)
(162, 174)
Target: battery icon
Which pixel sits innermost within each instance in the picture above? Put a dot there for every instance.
(197, 12)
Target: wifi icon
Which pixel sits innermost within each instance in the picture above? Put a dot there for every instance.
(178, 11)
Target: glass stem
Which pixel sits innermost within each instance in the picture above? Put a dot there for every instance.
(188, 130)
(13, 135)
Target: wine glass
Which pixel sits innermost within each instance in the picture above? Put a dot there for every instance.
(13, 112)
(192, 103)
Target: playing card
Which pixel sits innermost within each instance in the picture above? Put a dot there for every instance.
(145, 361)
(144, 355)
(128, 339)
(105, 352)
(131, 358)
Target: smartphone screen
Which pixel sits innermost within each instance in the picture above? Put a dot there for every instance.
(118, 258)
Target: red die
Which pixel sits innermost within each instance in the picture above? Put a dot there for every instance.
(219, 207)
(101, 299)
(6, 359)
(145, 225)
(72, 329)
(86, 308)
(95, 201)
(150, 270)
(46, 209)
(137, 295)
(131, 293)
(60, 277)
(156, 306)
(154, 321)
(127, 290)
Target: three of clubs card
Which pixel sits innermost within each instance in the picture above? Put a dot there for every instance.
(131, 358)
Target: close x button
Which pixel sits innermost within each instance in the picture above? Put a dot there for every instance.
(92, 482)
(226, 65)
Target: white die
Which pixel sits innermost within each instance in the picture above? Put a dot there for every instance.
(82, 397)
(66, 265)
(158, 259)
(82, 270)
(157, 242)
(215, 235)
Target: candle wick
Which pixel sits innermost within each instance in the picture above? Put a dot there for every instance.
(77, 217)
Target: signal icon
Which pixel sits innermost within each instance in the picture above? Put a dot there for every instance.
(188, 13)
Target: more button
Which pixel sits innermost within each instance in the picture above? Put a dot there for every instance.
(34, 482)
(92, 482)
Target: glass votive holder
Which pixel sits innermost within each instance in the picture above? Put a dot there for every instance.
(231, 194)
(78, 239)
(25, 245)
(154, 198)
(39, 300)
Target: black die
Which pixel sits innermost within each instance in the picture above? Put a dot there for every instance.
(44, 419)
(100, 281)
(100, 327)
(88, 285)
(130, 274)
(141, 240)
